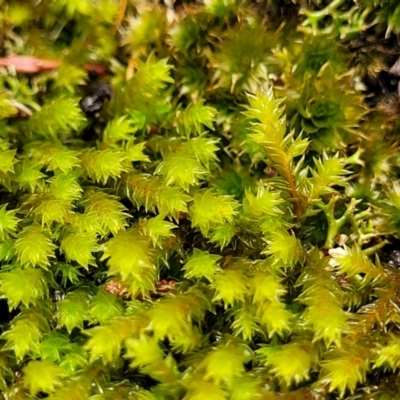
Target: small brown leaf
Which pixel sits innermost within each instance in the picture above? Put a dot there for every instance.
(33, 65)
(29, 64)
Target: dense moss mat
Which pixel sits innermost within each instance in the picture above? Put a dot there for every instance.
(199, 200)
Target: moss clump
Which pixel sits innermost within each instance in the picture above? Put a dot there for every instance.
(199, 200)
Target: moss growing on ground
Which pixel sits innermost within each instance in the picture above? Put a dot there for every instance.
(199, 200)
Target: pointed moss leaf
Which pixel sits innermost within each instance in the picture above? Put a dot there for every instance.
(7, 160)
(291, 362)
(171, 201)
(274, 318)
(143, 95)
(240, 57)
(53, 155)
(271, 125)
(77, 391)
(73, 310)
(63, 159)
(225, 363)
(23, 338)
(230, 287)
(268, 126)
(201, 389)
(135, 152)
(267, 288)
(129, 256)
(99, 165)
(181, 169)
(327, 317)
(194, 117)
(157, 229)
(118, 129)
(109, 211)
(33, 247)
(8, 221)
(64, 186)
(201, 264)
(105, 341)
(155, 73)
(344, 373)
(78, 246)
(7, 250)
(329, 172)
(245, 322)
(42, 376)
(285, 249)
(388, 355)
(210, 210)
(143, 351)
(324, 299)
(23, 286)
(88, 222)
(167, 323)
(53, 346)
(265, 203)
(203, 148)
(173, 318)
(298, 147)
(104, 306)
(52, 210)
(246, 388)
(223, 235)
(68, 273)
(75, 359)
(62, 115)
(150, 192)
(28, 175)
(352, 261)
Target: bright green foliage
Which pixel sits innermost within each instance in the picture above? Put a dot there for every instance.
(100, 165)
(78, 246)
(225, 363)
(201, 264)
(27, 331)
(103, 307)
(388, 355)
(28, 175)
(182, 169)
(346, 371)
(22, 286)
(324, 299)
(64, 115)
(223, 224)
(130, 257)
(230, 286)
(157, 229)
(72, 311)
(107, 209)
(291, 362)
(8, 222)
(33, 247)
(194, 117)
(211, 210)
(53, 155)
(106, 340)
(50, 376)
(285, 248)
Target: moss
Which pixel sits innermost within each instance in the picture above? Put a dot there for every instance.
(199, 200)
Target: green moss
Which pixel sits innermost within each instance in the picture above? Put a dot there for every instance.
(207, 216)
